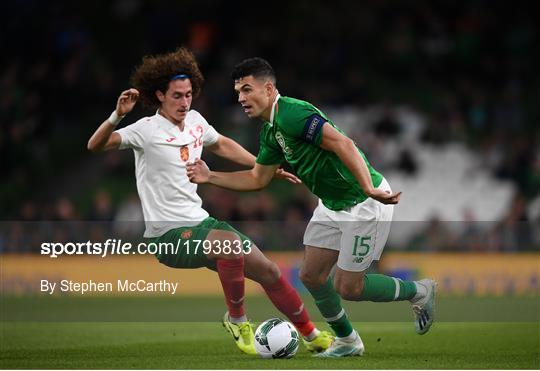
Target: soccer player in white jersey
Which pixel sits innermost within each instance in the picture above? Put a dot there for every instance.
(163, 145)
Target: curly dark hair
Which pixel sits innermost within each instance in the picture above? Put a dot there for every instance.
(156, 71)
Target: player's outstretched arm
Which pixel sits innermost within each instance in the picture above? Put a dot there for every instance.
(345, 149)
(248, 180)
(104, 138)
(228, 148)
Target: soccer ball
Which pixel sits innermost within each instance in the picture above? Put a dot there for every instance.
(276, 338)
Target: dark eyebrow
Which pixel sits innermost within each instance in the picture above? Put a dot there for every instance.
(242, 87)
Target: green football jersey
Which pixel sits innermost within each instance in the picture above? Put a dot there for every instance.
(295, 135)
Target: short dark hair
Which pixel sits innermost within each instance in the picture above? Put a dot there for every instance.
(256, 67)
(156, 72)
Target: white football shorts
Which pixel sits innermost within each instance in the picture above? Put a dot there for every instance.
(358, 233)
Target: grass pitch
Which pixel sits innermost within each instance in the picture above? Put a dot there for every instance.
(206, 345)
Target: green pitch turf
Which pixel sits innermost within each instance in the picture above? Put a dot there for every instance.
(508, 337)
(207, 346)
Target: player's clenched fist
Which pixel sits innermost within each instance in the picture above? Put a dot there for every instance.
(197, 171)
(385, 197)
(126, 101)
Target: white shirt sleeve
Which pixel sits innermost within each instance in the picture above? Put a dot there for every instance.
(210, 135)
(135, 135)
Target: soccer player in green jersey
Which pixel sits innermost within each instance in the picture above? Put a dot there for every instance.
(163, 145)
(350, 225)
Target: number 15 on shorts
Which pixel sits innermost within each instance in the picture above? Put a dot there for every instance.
(361, 248)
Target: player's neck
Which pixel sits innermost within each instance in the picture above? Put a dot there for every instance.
(267, 114)
(179, 124)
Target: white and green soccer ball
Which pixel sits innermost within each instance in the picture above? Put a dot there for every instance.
(276, 338)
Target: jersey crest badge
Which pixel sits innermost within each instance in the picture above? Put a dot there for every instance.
(186, 234)
(281, 141)
(184, 153)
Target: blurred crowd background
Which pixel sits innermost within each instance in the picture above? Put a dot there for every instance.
(443, 97)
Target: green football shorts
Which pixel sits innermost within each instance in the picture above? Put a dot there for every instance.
(187, 247)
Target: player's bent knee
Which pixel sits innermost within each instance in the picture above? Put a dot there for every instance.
(349, 291)
(273, 272)
(312, 279)
(268, 274)
(225, 245)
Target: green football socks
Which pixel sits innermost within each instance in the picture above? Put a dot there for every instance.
(329, 304)
(381, 288)
(377, 287)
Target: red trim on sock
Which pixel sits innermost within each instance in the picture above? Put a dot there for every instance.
(286, 299)
(231, 275)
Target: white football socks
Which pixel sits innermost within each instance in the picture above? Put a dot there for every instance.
(312, 335)
(421, 292)
(350, 338)
(237, 320)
